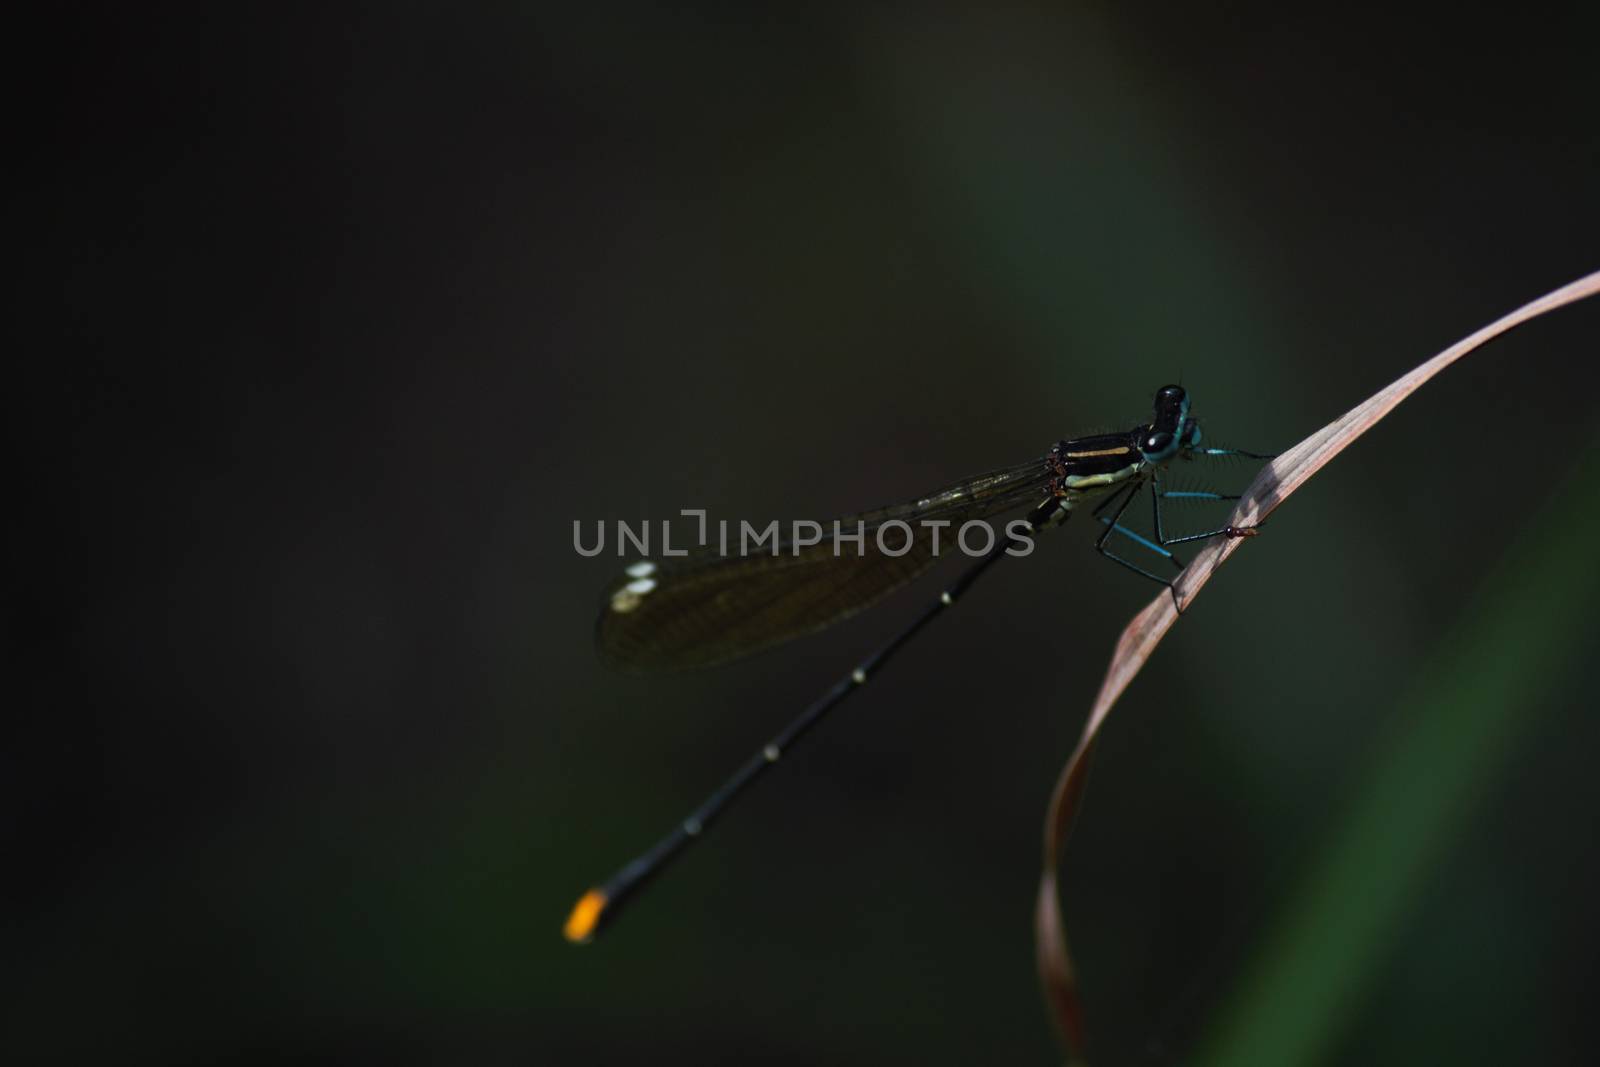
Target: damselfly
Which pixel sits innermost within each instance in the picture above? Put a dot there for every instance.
(709, 607)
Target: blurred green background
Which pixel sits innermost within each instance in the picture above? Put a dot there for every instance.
(352, 311)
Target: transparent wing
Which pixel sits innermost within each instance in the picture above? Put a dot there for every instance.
(706, 608)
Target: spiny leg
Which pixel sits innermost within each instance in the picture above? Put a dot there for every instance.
(1145, 542)
(1156, 496)
(1112, 526)
(1130, 534)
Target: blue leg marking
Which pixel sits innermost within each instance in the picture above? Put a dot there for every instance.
(1151, 545)
(1234, 452)
(1112, 526)
(1155, 503)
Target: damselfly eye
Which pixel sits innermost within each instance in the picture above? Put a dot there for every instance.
(1159, 441)
(1170, 392)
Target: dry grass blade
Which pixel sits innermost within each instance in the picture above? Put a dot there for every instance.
(1271, 487)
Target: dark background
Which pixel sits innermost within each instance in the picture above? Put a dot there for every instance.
(349, 313)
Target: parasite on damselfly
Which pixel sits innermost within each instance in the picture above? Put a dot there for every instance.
(709, 607)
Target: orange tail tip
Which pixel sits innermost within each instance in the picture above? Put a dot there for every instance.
(585, 917)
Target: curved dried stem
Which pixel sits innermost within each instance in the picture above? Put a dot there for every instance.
(1277, 480)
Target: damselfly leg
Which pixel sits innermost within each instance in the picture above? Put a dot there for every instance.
(1160, 546)
(1122, 498)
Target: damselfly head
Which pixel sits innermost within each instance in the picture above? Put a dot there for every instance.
(1170, 428)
